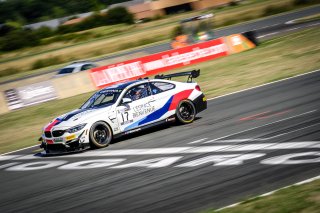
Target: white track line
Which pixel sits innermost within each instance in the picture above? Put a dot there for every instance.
(257, 127)
(272, 192)
(198, 141)
(29, 147)
(262, 85)
(209, 99)
(258, 139)
(265, 18)
(180, 150)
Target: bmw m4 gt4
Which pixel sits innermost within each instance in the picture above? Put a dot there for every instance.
(122, 109)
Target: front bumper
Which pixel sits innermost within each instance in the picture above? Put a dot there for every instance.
(66, 143)
(60, 148)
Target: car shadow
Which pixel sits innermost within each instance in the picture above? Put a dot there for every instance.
(148, 131)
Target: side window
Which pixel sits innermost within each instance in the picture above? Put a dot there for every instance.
(86, 67)
(158, 87)
(138, 92)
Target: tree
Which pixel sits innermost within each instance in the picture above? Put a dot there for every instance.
(119, 15)
(18, 39)
(35, 10)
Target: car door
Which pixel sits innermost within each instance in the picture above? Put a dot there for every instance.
(162, 93)
(134, 114)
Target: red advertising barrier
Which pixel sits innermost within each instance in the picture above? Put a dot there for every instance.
(156, 63)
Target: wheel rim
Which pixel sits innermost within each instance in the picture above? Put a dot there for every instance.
(186, 111)
(101, 134)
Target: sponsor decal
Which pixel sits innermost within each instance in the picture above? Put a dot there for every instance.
(70, 137)
(125, 118)
(58, 140)
(30, 95)
(160, 62)
(126, 122)
(13, 99)
(132, 131)
(173, 157)
(142, 109)
(238, 43)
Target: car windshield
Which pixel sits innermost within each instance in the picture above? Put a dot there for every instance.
(66, 70)
(102, 98)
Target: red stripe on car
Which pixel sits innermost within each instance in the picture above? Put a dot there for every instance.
(49, 127)
(178, 97)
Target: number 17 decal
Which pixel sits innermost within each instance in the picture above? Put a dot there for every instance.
(125, 118)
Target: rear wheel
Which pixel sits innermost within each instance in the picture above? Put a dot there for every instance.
(186, 112)
(100, 135)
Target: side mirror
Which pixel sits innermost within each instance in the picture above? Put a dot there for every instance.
(126, 100)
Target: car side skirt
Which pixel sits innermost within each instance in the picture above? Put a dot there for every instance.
(170, 119)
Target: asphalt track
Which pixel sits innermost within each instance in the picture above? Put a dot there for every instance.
(264, 28)
(243, 145)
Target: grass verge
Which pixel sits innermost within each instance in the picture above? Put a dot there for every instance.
(308, 18)
(301, 198)
(273, 60)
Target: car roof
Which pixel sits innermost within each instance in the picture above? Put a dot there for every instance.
(124, 85)
(77, 64)
(120, 85)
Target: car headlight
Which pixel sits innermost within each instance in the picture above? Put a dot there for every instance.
(76, 128)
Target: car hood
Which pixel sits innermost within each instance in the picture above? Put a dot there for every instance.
(75, 117)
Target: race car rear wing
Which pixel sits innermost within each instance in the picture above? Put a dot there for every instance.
(191, 75)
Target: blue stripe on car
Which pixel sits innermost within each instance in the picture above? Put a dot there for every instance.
(153, 116)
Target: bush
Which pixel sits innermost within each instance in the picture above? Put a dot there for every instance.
(176, 32)
(44, 32)
(18, 39)
(46, 62)
(157, 17)
(95, 20)
(119, 15)
(5, 29)
(8, 71)
(302, 2)
(116, 15)
(234, 3)
(272, 10)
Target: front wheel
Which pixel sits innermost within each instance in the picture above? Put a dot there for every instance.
(100, 135)
(186, 112)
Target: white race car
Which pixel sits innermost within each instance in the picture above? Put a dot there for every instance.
(122, 109)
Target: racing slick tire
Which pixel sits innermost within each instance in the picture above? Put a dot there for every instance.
(186, 112)
(100, 135)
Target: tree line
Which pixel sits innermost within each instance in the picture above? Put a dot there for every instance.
(17, 37)
(30, 11)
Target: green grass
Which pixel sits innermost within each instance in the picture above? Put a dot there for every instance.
(22, 128)
(266, 63)
(272, 60)
(308, 18)
(88, 43)
(295, 199)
